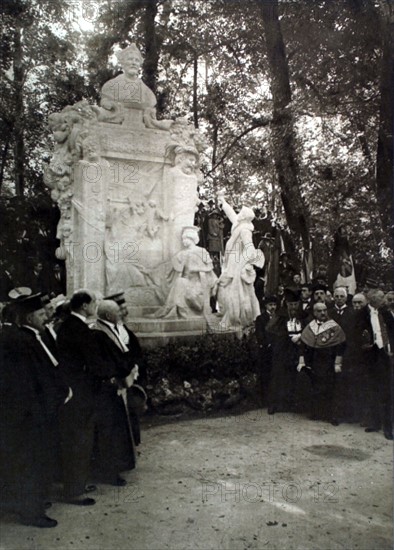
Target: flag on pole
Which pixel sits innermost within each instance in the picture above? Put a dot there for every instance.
(307, 266)
(341, 267)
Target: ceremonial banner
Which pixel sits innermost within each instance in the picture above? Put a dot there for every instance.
(341, 267)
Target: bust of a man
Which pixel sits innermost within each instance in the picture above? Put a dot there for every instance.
(127, 88)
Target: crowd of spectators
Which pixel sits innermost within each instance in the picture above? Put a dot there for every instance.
(69, 397)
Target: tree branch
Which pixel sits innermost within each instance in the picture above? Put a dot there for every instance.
(257, 124)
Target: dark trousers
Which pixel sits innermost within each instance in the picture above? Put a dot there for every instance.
(323, 380)
(114, 449)
(379, 390)
(77, 435)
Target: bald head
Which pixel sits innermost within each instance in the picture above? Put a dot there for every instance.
(320, 311)
(389, 299)
(359, 301)
(108, 310)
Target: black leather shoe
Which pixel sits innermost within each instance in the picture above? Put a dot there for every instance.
(80, 501)
(371, 429)
(119, 482)
(40, 521)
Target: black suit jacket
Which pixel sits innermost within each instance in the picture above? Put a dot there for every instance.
(116, 360)
(52, 389)
(389, 320)
(344, 320)
(264, 339)
(363, 327)
(80, 361)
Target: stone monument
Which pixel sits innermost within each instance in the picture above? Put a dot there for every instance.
(126, 186)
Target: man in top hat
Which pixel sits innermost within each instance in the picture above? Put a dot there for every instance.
(322, 346)
(285, 330)
(32, 393)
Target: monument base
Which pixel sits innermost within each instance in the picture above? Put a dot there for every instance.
(160, 332)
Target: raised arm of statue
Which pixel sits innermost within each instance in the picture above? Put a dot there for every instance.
(227, 209)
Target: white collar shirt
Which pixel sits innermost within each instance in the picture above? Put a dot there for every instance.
(376, 328)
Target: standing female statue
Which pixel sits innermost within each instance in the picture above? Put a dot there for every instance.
(236, 297)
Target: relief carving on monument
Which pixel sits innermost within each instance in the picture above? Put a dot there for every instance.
(126, 185)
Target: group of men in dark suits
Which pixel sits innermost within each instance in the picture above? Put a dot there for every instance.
(66, 421)
(345, 347)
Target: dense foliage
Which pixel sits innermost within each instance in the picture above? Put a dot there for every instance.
(207, 374)
(292, 97)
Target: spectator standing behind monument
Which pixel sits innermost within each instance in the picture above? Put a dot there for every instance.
(37, 280)
(57, 281)
(215, 239)
(286, 270)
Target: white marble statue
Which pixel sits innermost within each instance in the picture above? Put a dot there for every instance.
(127, 88)
(237, 301)
(181, 192)
(191, 279)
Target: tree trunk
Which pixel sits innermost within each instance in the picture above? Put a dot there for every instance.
(384, 158)
(4, 155)
(152, 46)
(282, 126)
(195, 95)
(19, 143)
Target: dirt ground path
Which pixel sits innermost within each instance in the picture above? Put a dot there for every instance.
(239, 481)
